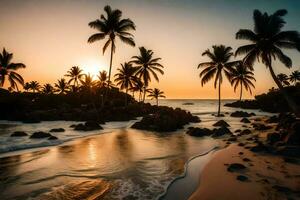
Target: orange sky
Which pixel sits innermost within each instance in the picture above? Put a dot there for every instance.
(51, 37)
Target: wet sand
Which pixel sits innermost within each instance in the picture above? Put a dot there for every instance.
(269, 177)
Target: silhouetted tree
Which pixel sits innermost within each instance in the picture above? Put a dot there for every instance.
(26, 86)
(155, 94)
(75, 74)
(284, 79)
(137, 87)
(48, 89)
(295, 77)
(61, 86)
(102, 79)
(87, 84)
(34, 86)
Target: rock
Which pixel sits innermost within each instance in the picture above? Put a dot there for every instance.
(221, 123)
(52, 138)
(221, 131)
(273, 137)
(232, 139)
(242, 178)
(238, 130)
(57, 130)
(40, 134)
(261, 127)
(246, 160)
(245, 120)
(259, 148)
(241, 144)
(241, 153)
(246, 104)
(273, 119)
(73, 125)
(88, 126)
(198, 132)
(245, 132)
(236, 167)
(241, 114)
(282, 189)
(19, 134)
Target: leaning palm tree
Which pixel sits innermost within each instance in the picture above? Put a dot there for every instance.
(147, 67)
(267, 40)
(34, 86)
(295, 76)
(125, 78)
(242, 76)
(284, 79)
(7, 70)
(219, 63)
(48, 89)
(75, 74)
(110, 27)
(102, 79)
(155, 94)
(61, 86)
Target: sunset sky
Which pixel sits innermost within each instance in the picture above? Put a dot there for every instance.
(51, 36)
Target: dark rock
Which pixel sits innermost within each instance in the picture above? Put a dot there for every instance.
(198, 132)
(238, 130)
(261, 127)
(57, 130)
(273, 137)
(273, 119)
(241, 144)
(242, 178)
(31, 121)
(241, 114)
(88, 126)
(236, 167)
(221, 131)
(259, 148)
(246, 160)
(246, 104)
(221, 123)
(40, 134)
(282, 189)
(232, 139)
(52, 138)
(245, 120)
(18, 134)
(241, 153)
(73, 125)
(245, 132)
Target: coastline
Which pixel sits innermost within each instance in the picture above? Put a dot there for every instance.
(269, 177)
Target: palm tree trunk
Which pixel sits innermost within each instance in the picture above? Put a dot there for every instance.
(290, 101)
(140, 96)
(157, 101)
(110, 64)
(144, 94)
(126, 91)
(241, 93)
(219, 107)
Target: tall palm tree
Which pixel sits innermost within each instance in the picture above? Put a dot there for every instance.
(47, 89)
(125, 78)
(61, 86)
(295, 76)
(34, 86)
(155, 94)
(87, 83)
(243, 76)
(75, 74)
(147, 67)
(219, 63)
(267, 40)
(7, 70)
(284, 79)
(137, 87)
(102, 79)
(26, 86)
(110, 27)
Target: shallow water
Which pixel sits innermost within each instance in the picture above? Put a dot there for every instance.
(115, 163)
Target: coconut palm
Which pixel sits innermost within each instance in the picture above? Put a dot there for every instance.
(26, 86)
(242, 76)
(87, 83)
(284, 79)
(61, 86)
(110, 27)
(295, 76)
(219, 63)
(137, 87)
(147, 67)
(75, 74)
(47, 89)
(7, 70)
(267, 41)
(34, 86)
(125, 78)
(102, 79)
(155, 94)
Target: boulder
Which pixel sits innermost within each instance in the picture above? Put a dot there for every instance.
(245, 132)
(245, 120)
(273, 119)
(242, 178)
(221, 131)
(241, 114)
(238, 130)
(221, 123)
(261, 127)
(18, 134)
(198, 132)
(236, 167)
(52, 138)
(40, 134)
(273, 137)
(88, 126)
(57, 130)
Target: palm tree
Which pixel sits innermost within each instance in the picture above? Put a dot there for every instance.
(110, 27)
(26, 86)
(87, 83)
(126, 77)
(219, 63)
(102, 79)
(155, 94)
(137, 87)
(62, 86)
(47, 89)
(34, 86)
(284, 79)
(7, 70)
(295, 76)
(243, 76)
(75, 74)
(147, 66)
(267, 40)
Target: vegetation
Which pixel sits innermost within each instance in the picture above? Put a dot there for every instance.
(284, 79)
(75, 74)
(48, 89)
(219, 63)
(155, 94)
(295, 77)
(267, 41)
(34, 86)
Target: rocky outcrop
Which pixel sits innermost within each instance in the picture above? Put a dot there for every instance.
(199, 132)
(221, 123)
(236, 167)
(18, 134)
(245, 120)
(241, 114)
(57, 130)
(40, 134)
(221, 131)
(88, 126)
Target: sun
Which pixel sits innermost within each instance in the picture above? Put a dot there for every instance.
(93, 67)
